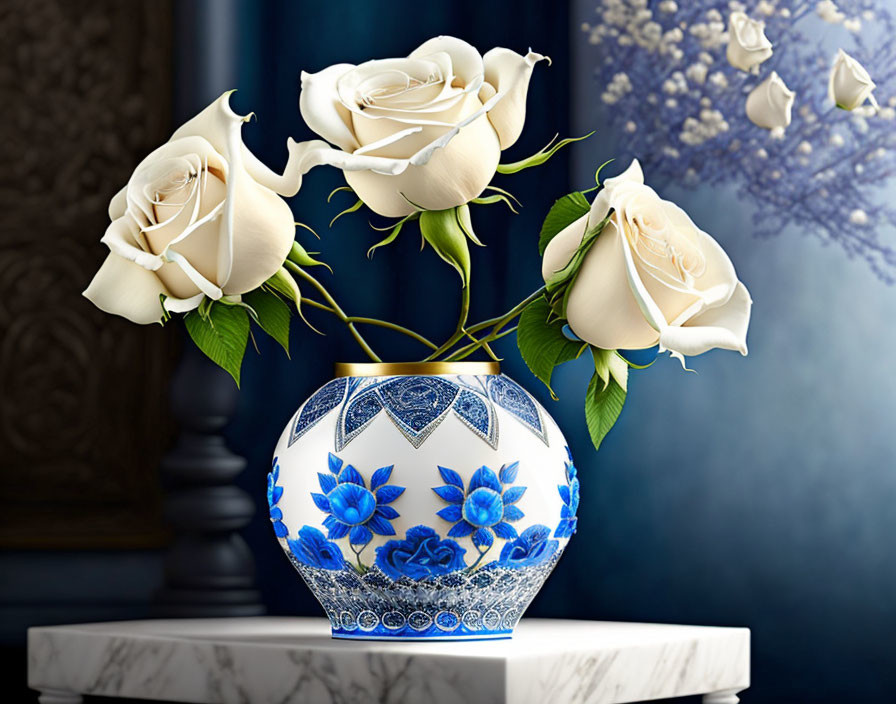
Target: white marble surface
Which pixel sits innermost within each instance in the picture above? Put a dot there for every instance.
(280, 659)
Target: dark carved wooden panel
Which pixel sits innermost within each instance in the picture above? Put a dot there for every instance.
(84, 95)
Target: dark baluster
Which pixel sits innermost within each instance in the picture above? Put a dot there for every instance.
(209, 570)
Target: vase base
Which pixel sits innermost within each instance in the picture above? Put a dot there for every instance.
(354, 635)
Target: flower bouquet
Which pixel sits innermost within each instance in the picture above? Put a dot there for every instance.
(425, 499)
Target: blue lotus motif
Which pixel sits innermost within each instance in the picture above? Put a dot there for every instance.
(485, 509)
(354, 510)
(421, 554)
(312, 548)
(569, 492)
(530, 549)
(274, 494)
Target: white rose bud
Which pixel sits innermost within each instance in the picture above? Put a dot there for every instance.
(200, 216)
(850, 85)
(426, 130)
(652, 277)
(769, 105)
(747, 44)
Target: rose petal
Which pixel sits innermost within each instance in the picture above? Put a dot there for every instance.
(508, 73)
(321, 110)
(124, 288)
(466, 61)
(724, 326)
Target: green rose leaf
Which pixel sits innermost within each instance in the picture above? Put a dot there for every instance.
(603, 404)
(442, 230)
(272, 315)
(222, 335)
(563, 213)
(542, 344)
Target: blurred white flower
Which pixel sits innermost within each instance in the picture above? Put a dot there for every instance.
(747, 44)
(850, 85)
(858, 217)
(829, 12)
(769, 104)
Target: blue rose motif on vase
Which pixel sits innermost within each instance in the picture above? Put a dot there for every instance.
(421, 554)
(485, 509)
(312, 548)
(274, 494)
(530, 549)
(354, 510)
(569, 492)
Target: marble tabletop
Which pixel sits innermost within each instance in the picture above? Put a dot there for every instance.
(283, 659)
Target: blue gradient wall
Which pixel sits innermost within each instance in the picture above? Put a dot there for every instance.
(755, 492)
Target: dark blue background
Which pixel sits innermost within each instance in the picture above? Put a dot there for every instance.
(758, 492)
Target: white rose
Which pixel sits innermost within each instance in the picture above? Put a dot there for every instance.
(769, 105)
(427, 129)
(200, 216)
(651, 277)
(850, 84)
(747, 44)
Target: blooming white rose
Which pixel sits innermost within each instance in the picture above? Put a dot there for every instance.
(769, 105)
(652, 277)
(850, 84)
(747, 44)
(427, 129)
(200, 216)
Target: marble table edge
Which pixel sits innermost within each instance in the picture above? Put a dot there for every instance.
(587, 664)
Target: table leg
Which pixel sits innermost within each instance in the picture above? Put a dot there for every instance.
(55, 696)
(726, 697)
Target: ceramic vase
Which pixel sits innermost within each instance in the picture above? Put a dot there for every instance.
(423, 501)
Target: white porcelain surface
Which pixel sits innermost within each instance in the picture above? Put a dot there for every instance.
(284, 660)
(424, 432)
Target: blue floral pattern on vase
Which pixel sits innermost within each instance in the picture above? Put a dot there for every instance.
(484, 509)
(569, 493)
(275, 493)
(313, 549)
(420, 555)
(531, 548)
(328, 397)
(354, 510)
(417, 405)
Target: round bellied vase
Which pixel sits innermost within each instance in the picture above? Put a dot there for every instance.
(423, 501)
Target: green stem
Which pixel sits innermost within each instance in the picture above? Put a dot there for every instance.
(496, 324)
(393, 326)
(337, 311)
(460, 330)
(374, 321)
(479, 559)
(467, 350)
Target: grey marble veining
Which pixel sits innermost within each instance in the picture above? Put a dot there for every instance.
(277, 660)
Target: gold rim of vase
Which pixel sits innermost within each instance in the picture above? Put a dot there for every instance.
(414, 368)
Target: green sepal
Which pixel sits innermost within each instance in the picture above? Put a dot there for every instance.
(222, 335)
(271, 314)
(298, 255)
(602, 407)
(393, 233)
(462, 212)
(563, 213)
(609, 365)
(541, 156)
(442, 230)
(542, 343)
(350, 209)
(496, 198)
(336, 190)
(559, 284)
